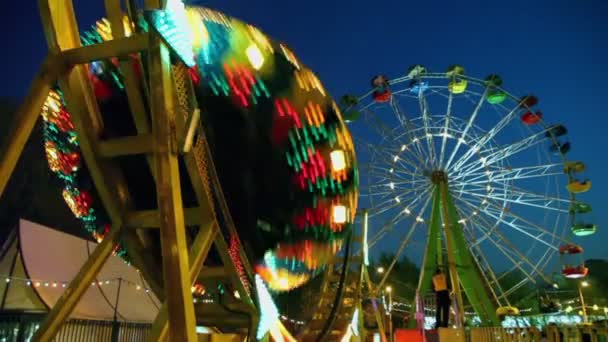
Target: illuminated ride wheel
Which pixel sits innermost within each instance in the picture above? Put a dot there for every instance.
(272, 145)
(468, 178)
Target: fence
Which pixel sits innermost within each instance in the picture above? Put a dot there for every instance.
(21, 327)
(575, 334)
(505, 334)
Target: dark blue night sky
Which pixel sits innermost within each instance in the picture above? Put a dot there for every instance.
(557, 50)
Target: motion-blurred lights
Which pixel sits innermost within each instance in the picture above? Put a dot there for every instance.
(255, 56)
(380, 270)
(339, 214)
(585, 283)
(338, 161)
(389, 289)
(595, 307)
(568, 309)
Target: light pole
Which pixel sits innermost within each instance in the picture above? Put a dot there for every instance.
(389, 291)
(582, 284)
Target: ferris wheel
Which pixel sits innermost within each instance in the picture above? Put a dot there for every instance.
(473, 178)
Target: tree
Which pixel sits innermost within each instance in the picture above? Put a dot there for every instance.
(32, 192)
(403, 278)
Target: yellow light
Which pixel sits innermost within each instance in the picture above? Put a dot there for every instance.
(339, 214)
(283, 282)
(255, 56)
(580, 312)
(595, 307)
(380, 270)
(389, 289)
(569, 308)
(606, 310)
(585, 284)
(338, 162)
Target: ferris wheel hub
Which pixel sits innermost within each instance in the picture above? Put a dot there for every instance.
(439, 176)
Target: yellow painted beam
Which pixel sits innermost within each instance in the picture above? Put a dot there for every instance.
(61, 32)
(176, 274)
(151, 218)
(78, 286)
(124, 146)
(197, 255)
(133, 84)
(26, 117)
(443, 188)
(112, 48)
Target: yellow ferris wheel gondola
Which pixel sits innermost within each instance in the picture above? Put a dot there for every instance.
(577, 186)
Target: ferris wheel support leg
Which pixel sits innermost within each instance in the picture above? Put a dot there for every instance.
(433, 247)
(462, 265)
(78, 286)
(174, 247)
(26, 117)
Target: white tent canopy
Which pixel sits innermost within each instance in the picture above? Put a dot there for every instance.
(39, 261)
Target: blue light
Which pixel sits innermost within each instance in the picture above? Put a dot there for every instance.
(172, 24)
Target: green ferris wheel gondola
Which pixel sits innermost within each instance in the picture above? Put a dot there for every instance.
(495, 95)
(583, 229)
(580, 208)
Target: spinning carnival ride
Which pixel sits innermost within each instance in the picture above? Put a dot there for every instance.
(194, 123)
(470, 178)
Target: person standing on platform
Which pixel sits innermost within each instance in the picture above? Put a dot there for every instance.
(442, 295)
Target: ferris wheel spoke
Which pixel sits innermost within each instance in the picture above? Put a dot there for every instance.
(387, 133)
(392, 159)
(518, 222)
(494, 156)
(396, 199)
(524, 226)
(427, 125)
(446, 127)
(482, 225)
(406, 201)
(405, 241)
(521, 198)
(387, 226)
(472, 118)
(526, 197)
(489, 136)
(508, 243)
(409, 128)
(482, 263)
(510, 174)
(380, 171)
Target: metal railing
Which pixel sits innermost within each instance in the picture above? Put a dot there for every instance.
(21, 327)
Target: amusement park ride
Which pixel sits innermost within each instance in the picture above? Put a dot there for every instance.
(441, 150)
(208, 156)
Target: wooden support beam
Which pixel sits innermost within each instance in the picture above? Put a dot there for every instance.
(213, 272)
(197, 255)
(134, 86)
(174, 248)
(151, 218)
(108, 49)
(26, 117)
(78, 286)
(61, 32)
(124, 146)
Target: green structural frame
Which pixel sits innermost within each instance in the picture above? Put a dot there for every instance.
(462, 268)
